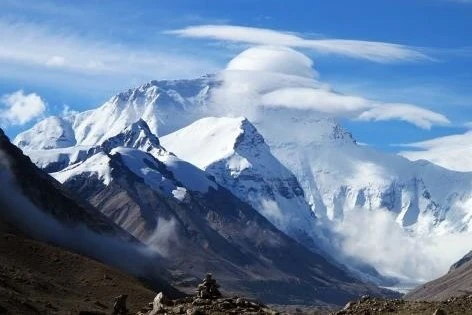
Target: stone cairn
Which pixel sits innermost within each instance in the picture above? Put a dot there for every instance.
(208, 300)
(208, 289)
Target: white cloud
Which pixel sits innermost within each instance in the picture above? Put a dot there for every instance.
(272, 212)
(369, 50)
(453, 152)
(164, 237)
(19, 108)
(277, 77)
(393, 251)
(418, 116)
(58, 61)
(273, 59)
(39, 46)
(321, 100)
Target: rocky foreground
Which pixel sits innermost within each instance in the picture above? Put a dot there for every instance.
(199, 306)
(368, 305)
(209, 300)
(365, 306)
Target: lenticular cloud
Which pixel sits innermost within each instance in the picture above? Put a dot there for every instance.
(264, 77)
(275, 59)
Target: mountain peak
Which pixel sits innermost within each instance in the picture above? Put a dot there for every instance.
(138, 135)
(224, 135)
(249, 137)
(50, 133)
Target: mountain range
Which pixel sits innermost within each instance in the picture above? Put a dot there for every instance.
(152, 158)
(191, 223)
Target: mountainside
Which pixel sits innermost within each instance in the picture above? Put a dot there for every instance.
(49, 195)
(32, 203)
(37, 278)
(199, 226)
(232, 150)
(336, 175)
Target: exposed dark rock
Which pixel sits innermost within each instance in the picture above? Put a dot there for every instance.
(208, 289)
(119, 306)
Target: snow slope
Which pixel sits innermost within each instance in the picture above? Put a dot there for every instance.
(158, 103)
(232, 150)
(52, 132)
(338, 175)
(137, 149)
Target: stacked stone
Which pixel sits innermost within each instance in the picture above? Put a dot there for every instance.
(208, 289)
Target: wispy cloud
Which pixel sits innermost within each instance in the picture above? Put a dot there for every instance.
(280, 77)
(369, 50)
(32, 45)
(416, 115)
(19, 108)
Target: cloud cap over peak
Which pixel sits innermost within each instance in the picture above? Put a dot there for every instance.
(281, 77)
(273, 59)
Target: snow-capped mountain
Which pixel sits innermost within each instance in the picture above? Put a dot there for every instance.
(52, 132)
(140, 152)
(181, 212)
(158, 103)
(235, 153)
(337, 176)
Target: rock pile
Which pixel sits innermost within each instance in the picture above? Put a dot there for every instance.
(208, 289)
(208, 300)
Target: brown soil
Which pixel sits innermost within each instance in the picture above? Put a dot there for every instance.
(36, 278)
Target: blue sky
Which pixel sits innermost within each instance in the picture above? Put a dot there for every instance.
(73, 38)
